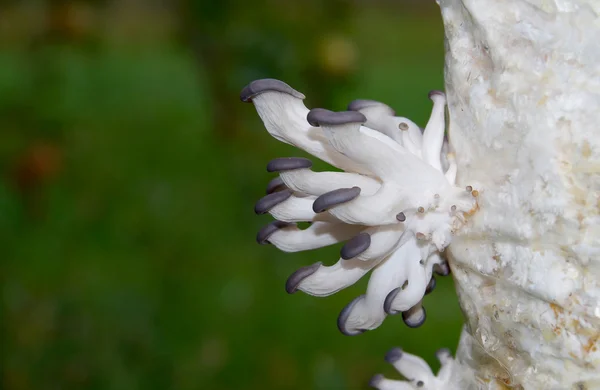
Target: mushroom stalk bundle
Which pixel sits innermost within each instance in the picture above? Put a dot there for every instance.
(395, 205)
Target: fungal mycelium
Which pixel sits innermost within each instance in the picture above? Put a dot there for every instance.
(395, 205)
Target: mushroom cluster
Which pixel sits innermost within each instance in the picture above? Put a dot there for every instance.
(395, 205)
(417, 372)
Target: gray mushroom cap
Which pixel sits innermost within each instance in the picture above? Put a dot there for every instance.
(257, 87)
(393, 355)
(334, 198)
(355, 246)
(361, 104)
(442, 269)
(345, 314)
(436, 93)
(288, 164)
(389, 299)
(415, 316)
(376, 380)
(276, 184)
(431, 285)
(263, 235)
(443, 354)
(267, 202)
(292, 283)
(320, 116)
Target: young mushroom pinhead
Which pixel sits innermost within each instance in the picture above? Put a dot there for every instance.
(393, 355)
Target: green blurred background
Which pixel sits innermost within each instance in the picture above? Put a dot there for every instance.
(129, 173)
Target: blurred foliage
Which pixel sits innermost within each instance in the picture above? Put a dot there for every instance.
(129, 174)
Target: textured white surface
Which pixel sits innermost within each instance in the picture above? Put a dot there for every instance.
(523, 87)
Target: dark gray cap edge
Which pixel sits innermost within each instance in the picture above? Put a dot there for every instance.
(431, 285)
(320, 116)
(257, 87)
(355, 246)
(334, 198)
(393, 355)
(375, 380)
(267, 202)
(275, 185)
(406, 316)
(282, 164)
(263, 234)
(389, 299)
(343, 317)
(433, 93)
(292, 283)
(360, 104)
